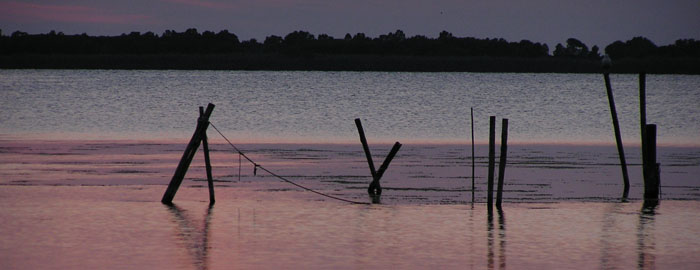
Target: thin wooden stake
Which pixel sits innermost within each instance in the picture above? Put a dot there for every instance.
(618, 138)
(207, 162)
(365, 146)
(472, 114)
(643, 122)
(492, 150)
(502, 163)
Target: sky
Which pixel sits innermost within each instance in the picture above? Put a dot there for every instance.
(595, 22)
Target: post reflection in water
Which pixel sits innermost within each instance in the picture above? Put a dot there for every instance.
(610, 248)
(195, 240)
(501, 240)
(646, 244)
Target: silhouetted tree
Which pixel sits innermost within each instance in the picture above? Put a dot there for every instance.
(272, 43)
(574, 48)
(595, 54)
(637, 47)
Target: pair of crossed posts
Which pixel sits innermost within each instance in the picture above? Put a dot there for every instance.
(375, 189)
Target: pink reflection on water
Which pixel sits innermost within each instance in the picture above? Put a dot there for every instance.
(126, 227)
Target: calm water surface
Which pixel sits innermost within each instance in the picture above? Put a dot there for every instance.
(126, 228)
(50, 220)
(321, 106)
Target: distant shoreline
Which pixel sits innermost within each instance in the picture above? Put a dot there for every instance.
(362, 62)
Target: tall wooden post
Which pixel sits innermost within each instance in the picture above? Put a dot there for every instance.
(643, 122)
(207, 162)
(492, 150)
(618, 138)
(652, 180)
(502, 163)
(188, 155)
(472, 114)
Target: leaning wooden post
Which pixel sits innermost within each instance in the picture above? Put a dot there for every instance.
(502, 163)
(618, 139)
(472, 113)
(492, 150)
(652, 180)
(365, 146)
(643, 122)
(187, 156)
(207, 162)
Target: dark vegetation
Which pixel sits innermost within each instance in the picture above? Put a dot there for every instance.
(301, 50)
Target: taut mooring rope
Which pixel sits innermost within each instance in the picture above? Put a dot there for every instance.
(276, 175)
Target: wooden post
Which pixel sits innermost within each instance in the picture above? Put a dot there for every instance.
(210, 180)
(652, 180)
(643, 122)
(207, 162)
(472, 114)
(187, 156)
(365, 146)
(375, 188)
(492, 150)
(618, 138)
(502, 163)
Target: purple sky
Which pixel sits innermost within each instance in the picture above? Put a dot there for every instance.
(595, 22)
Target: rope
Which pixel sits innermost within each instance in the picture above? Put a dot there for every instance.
(279, 176)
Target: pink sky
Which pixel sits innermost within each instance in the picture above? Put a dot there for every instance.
(595, 22)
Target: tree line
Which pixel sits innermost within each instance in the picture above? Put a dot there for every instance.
(301, 50)
(305, 43)
(295, 43)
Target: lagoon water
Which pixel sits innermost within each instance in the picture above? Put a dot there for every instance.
(125, 228)
(265, 106)
(66, 203)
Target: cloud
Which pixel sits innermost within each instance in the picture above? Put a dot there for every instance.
(20, 11)
(204, 4)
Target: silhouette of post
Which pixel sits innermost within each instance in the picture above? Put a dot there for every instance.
(502, 163)
(205, 147)
(652, 173)
(188, 155)
(472, 114)
(618, 139)
(643, 122)
(492, 150)
(375, 188)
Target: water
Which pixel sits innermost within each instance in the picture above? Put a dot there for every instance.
(71, 204)
(126, 228)
(320, 106)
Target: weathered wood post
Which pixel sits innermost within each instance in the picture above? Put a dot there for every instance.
(618, 138)
(652, 177)
(368, 155)
(207, 162)
(472, 114)
(643, 122)
(492, 150)
(502, 163)
(375, 188)
(188, 155)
